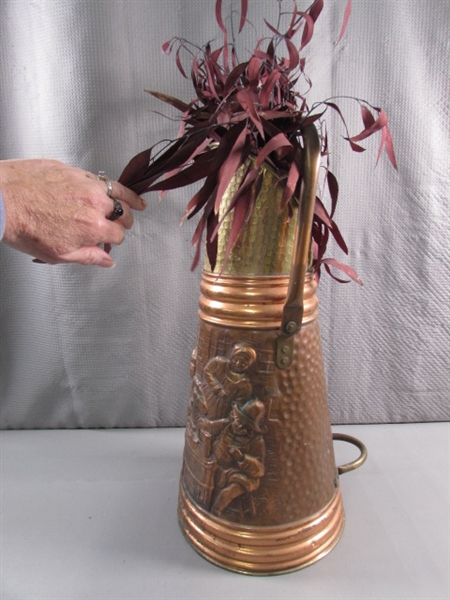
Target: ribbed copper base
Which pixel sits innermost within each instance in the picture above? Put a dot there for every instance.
(262, 550)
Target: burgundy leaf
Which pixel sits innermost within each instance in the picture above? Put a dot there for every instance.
(345, 268)
(348, 10)
(254, 66)
(292, 29)
(307, 31)
(191, 174)
(219, 15)
(294, 57)
(246, 102)
(244, 8)
(367, 117)
(211, 244)
(239, 217)
(338, 237)
(230, 166)
(170, 100)
(272, 29)
(278, 141)
(333, 188)
(250, 177)
(316, 9)
(267, 88)
(321, 212)
(375, 126)
(167, 46)
(199, 200)
(136, 168)
(387, 144)
(234, 76)
(178, 63)
(291, 184)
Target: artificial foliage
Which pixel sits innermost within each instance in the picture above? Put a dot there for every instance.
(252, 112)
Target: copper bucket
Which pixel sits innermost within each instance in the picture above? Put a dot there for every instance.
(259, 489)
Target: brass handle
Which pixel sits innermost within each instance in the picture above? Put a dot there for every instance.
(351, 466)
(291, 321)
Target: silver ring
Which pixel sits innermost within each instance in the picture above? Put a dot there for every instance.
(117, 211)
(108, 188)
(101, 176)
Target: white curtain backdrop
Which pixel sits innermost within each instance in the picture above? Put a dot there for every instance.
(86, 347)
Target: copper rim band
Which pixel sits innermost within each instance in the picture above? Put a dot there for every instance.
(251, 302)
(262, 550)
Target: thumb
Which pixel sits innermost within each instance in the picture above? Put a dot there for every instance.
(89, 255)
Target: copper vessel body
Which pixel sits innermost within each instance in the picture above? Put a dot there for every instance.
(259, 488)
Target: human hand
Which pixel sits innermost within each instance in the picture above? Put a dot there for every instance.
(60, 214)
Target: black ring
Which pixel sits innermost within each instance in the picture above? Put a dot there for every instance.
(117, 212)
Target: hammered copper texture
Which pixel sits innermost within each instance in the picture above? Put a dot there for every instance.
(299, 468)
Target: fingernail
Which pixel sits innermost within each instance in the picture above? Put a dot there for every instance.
(144, 203)
(108, 262)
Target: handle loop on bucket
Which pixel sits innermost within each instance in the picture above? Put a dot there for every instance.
(291, 321)
(355, 464)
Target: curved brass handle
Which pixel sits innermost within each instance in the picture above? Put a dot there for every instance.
(293, 309)
(354, 464)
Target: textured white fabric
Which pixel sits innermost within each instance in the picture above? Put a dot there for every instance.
(85, 347)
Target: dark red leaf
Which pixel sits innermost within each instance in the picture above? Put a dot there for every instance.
(387, 144)
(375, 126)
(294, 57)
(272, 29)
(195, 172)
(292, 29)
(248, 180)
(333, 188)
(307, 31)
(267, 88)
(327, 262)
(348, 10)
(219, 15)
(239, 217)
(136, 168)
(170, 100)
(321, 212)
(246, 102)
(199, 200)
(338, 237)
(254, 66)
(278, 141)
(316, 9)
(244, 8)
(178, 63)
(229, 167)
(291, 184)
(367, 117)
(211, 244)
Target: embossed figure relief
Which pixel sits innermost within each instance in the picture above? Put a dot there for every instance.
(225, 381)
(225, 449)
(239, 451)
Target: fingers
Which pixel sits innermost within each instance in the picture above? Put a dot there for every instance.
(126, 219)
(88, 255)
(126, 195)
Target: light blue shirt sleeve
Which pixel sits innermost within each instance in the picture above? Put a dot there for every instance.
(2, 217)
